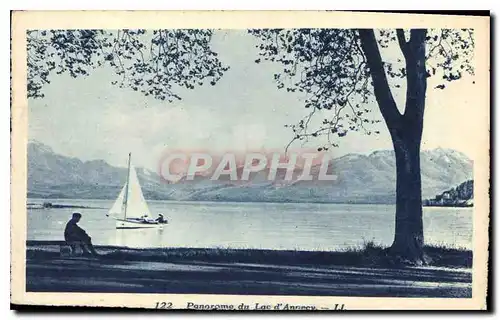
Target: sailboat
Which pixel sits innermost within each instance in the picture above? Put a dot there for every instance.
(130, 209)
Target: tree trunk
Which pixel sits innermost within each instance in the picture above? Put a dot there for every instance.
(406, 136)
(408, 237)
(406, 133)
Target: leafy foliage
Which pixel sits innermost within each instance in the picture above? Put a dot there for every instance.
(452, 51)
(329, 67)
(152, 62)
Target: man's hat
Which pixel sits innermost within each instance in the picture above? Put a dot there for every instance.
(77, 215)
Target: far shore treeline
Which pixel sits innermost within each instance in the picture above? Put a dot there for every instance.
(461, 196)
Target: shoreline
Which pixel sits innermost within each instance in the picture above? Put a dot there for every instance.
(62, 206)
(230, 201)
(356, 272)
(447, 206)
(49, 205)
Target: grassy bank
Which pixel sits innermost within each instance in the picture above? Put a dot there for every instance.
(367, 255)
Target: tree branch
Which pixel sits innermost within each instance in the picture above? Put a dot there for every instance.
(402, 41)
(417, 77)
(383, 93)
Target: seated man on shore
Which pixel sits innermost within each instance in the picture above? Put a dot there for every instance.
(76, 236)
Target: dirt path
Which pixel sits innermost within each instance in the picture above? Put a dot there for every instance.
(48, 272)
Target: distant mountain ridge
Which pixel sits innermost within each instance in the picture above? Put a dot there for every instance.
(361, 179)
(51, 175)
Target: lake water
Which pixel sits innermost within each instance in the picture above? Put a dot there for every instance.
(302, 226)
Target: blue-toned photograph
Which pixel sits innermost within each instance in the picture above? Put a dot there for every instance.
(282, 162)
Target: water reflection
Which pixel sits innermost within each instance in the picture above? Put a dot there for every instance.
(256, 225)
(137, 238)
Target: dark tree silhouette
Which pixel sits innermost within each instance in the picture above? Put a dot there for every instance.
(152, 62)
(340, 70)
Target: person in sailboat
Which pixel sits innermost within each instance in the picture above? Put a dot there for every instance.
(161, 219)
(77, 237)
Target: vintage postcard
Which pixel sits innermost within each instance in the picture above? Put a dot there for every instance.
(250, 160)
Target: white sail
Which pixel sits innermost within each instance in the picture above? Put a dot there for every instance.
(130, 203)
(136, 205)
(117, 208)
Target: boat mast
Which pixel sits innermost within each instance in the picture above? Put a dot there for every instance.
(125, 199)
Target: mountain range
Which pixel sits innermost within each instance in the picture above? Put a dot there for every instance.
(361, 179)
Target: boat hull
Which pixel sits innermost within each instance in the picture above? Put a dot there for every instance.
(131, 224)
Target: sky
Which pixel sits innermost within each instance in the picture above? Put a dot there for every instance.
(89, 118)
